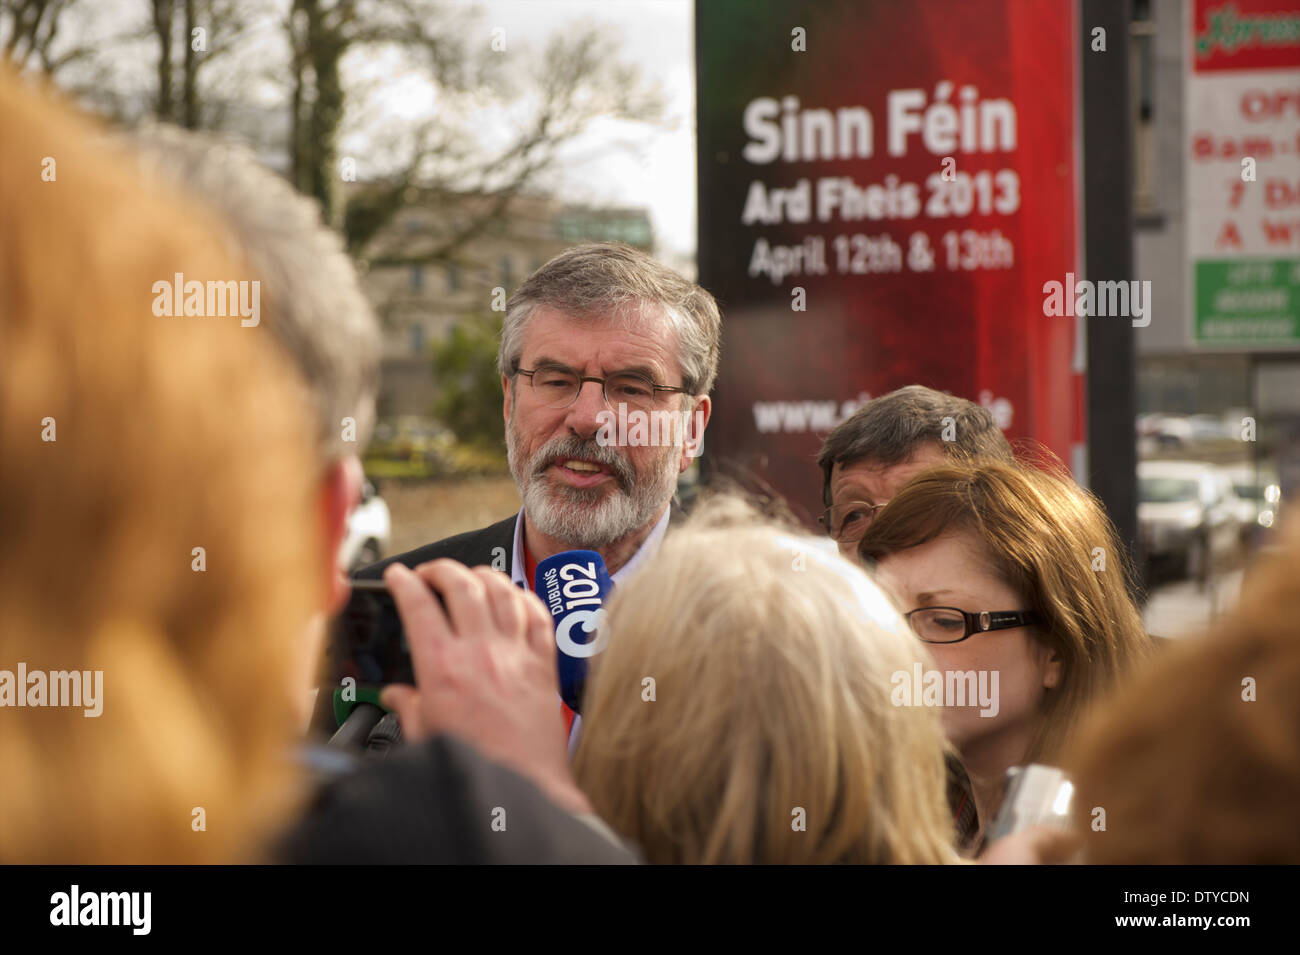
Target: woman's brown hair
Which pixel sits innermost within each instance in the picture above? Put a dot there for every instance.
(1050, 541)
(130, 440)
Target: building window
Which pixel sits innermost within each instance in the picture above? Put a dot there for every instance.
(507, 275)
(453, 277)
(417, 278)
(417, 339)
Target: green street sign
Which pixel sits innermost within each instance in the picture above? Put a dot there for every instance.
(1245, 303)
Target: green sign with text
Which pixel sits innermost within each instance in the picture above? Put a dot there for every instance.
(1248, 302)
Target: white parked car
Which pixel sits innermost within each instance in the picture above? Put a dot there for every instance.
(1256, 496)
(1207, 427)
(1187, 515)
(1171, 431)
(370, 528)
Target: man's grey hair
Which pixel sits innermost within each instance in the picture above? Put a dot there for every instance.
(318, 313)
(890, 429)
(616, 280)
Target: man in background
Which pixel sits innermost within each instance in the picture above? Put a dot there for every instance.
(869, 456)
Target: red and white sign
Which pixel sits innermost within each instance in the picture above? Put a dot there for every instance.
(1242, 117)
(883, 208)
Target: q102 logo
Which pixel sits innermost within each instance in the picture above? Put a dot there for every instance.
(575, 593)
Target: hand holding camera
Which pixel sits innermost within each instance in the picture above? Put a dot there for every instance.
(484, 670)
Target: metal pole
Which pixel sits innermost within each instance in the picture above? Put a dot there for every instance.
(1108, 256)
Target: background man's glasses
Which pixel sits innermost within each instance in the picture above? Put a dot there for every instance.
(848, 522)
(560, 387)
(950, 625)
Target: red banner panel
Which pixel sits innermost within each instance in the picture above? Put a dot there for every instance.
(885, 190)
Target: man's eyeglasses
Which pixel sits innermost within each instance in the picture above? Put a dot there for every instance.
(950, 625)
(558, 387)
(848, 522)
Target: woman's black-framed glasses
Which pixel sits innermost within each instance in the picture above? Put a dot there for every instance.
(847, 522)
(559, 387)
(951, 625)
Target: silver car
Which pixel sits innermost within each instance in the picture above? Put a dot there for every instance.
(1187, 516)
(1256, 497)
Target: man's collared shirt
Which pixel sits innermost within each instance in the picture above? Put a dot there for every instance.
(520, 577)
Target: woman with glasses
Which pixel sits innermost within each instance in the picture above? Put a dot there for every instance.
(1014, 573)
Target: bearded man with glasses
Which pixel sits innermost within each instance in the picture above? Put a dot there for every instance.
(601, 331)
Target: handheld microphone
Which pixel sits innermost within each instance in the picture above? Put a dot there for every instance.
(575, 585)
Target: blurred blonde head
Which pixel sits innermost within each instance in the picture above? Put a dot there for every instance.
(771, 737)
(129, 441)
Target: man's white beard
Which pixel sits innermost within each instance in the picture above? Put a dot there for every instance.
(589, 518)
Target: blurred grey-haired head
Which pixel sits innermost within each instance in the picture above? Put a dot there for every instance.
(610, 279)
(317, 310)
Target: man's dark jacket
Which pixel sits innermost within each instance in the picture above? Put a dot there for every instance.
(436, 802)
(491, 546)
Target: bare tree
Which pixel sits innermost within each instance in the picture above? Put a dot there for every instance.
(321, 33)
(28, 30)
(577, 79)
(190, 72)
(164, 12)
(441, 163)
(205, 30)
